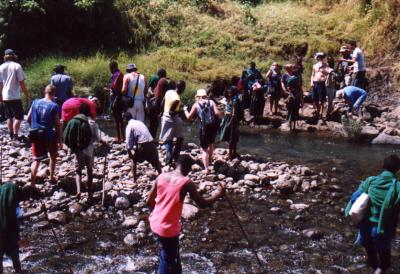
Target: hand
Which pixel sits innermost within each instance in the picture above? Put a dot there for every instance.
(60, 145)
(185, 108)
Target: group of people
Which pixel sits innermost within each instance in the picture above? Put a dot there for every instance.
(329, 80)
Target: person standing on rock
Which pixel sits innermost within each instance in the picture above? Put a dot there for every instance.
(274, 77)
(229, 129)
(378, 228)
(45, 133)
(209, 115)
(343, 67)
(285, 77)
(63, 84)
(354, 97)
(172, 124)
(84, 154)
(12, 81)
(359, 69)
(115, 87)
(294, 101)
(134, 86)
(140, 144)
(319, 74)
(166, 199)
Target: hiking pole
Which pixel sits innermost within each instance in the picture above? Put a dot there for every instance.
(242, 229)
(103, 195)
(1, 164)
(56, 238)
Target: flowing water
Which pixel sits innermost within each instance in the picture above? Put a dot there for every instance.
(213, 243)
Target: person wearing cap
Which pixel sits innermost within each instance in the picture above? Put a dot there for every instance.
(70, 108)
(209, 115)
(343, 67)
(134, 86)
(358, 65)
(319, 74)
(44, 120)
(63, 84)
(12, 81)
(275, 91)
(171, 123)
(140, 144)
(354, 97)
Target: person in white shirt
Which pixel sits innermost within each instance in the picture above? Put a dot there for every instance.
(137, 90)
(359, 68)
(12, 81)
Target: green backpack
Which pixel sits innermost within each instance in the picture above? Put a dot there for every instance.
(77, 134)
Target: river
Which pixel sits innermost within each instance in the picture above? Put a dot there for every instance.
(213, 243)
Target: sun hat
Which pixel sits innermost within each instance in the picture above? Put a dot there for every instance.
(131, 67)
(201, 93)
(343, 49)
(319, 54)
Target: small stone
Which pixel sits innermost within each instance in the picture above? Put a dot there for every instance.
(41, 225)
(122, 203)
(108, 186)
(305, 171)
(130, 240)
(312, 233)
(189, 211)
(75, 208)
(130, 222)
(58, 217)
(275, 210)
(141, 228)
(299, 207)
(251, 177)
(59, 195)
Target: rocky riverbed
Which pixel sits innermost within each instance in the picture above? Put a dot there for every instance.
(293, 215)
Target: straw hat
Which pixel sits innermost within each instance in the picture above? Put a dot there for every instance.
(201, 93)
(319, 54)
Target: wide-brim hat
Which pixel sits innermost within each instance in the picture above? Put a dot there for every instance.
(201, 93)
(343, 49)
(131, 67)
(319, 54)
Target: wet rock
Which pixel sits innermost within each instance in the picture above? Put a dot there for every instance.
(312, 233)
(305, 171)
(59, 195)
(108, 186)
(384, 138)
(368, 133)
(41, 225)
(314, 185)
(275, 210)
(131, 240)
(122, 203)
(13, 153)
(299, 207)
(141, 228)
(75, 208)
(189, 211)
(305, 186)
(58, 217)
(249, 183)
(251, 177)
(130, 222)
(284, 185)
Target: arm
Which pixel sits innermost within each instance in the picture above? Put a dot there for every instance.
(70, 93)
(28, 117)
(312, 76)
(283, 86)
(125, 84)
(145, 88)
(1, 91)
(217, 112)
(268, 74)
(192, 113)
(151, 199)
(352, 60)
(25, 90)
(198, 198)
(58, 129)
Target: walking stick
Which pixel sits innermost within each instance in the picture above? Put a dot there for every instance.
(242, 229)
(56, 238)
(103, 195)
(1, 164)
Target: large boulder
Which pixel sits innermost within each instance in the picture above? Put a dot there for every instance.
(284, 184)
(189, 211)
(386, 139)
(368, 133)
(58, 217)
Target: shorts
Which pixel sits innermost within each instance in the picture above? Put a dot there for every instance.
(171, 127)
(13, 109)
(41, 148)
(83, 160)
(319, 92)
(207, 135)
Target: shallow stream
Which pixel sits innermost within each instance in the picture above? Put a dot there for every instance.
(213, 242)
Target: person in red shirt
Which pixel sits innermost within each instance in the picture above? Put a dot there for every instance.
(70, 108)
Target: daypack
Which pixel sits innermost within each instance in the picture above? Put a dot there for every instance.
(77, 134)
(206, 114)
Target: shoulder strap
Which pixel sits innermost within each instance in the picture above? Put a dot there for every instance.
(136, 87)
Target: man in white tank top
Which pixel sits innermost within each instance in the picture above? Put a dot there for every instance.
(139, 94)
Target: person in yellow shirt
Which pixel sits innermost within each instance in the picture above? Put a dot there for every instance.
(171, 122)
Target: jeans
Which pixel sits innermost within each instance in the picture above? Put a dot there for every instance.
(358, 103)
(170, 261)
(359, 79)
(172, 152)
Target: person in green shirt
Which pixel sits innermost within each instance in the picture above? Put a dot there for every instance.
(378, 228)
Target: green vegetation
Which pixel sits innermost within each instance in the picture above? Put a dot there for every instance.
(199, 41)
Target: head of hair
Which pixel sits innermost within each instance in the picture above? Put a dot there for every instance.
(59, 69)
(113, 65)
(162, 73)
(392, 163)
(252, 64)
(185, 163)
(235, 80)
(50, 90)
(180, 86)
(10, 57)
(127, 116)
(353, 43)
(289, 67)
(171, 85)
(84, 109)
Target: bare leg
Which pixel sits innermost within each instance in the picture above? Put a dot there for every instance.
(34, 170)
(16, 126)
(276, 105)
(53, 161)
(322, 109)
(78, 181)
(89, 182)
(210, 153)
(10, 123)
(205, 159)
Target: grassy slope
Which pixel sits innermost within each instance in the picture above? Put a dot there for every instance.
(201, 46)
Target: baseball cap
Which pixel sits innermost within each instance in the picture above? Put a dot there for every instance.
(131, 67)
(9, 52)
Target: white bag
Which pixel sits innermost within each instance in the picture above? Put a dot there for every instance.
(359, 209)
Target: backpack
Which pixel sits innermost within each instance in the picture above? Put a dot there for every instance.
(206, 114)
(77, 134)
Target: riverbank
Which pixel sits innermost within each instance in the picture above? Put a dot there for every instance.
(279, 203)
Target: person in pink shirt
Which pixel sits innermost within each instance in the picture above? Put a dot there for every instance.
(166, 202)
(70, 108)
